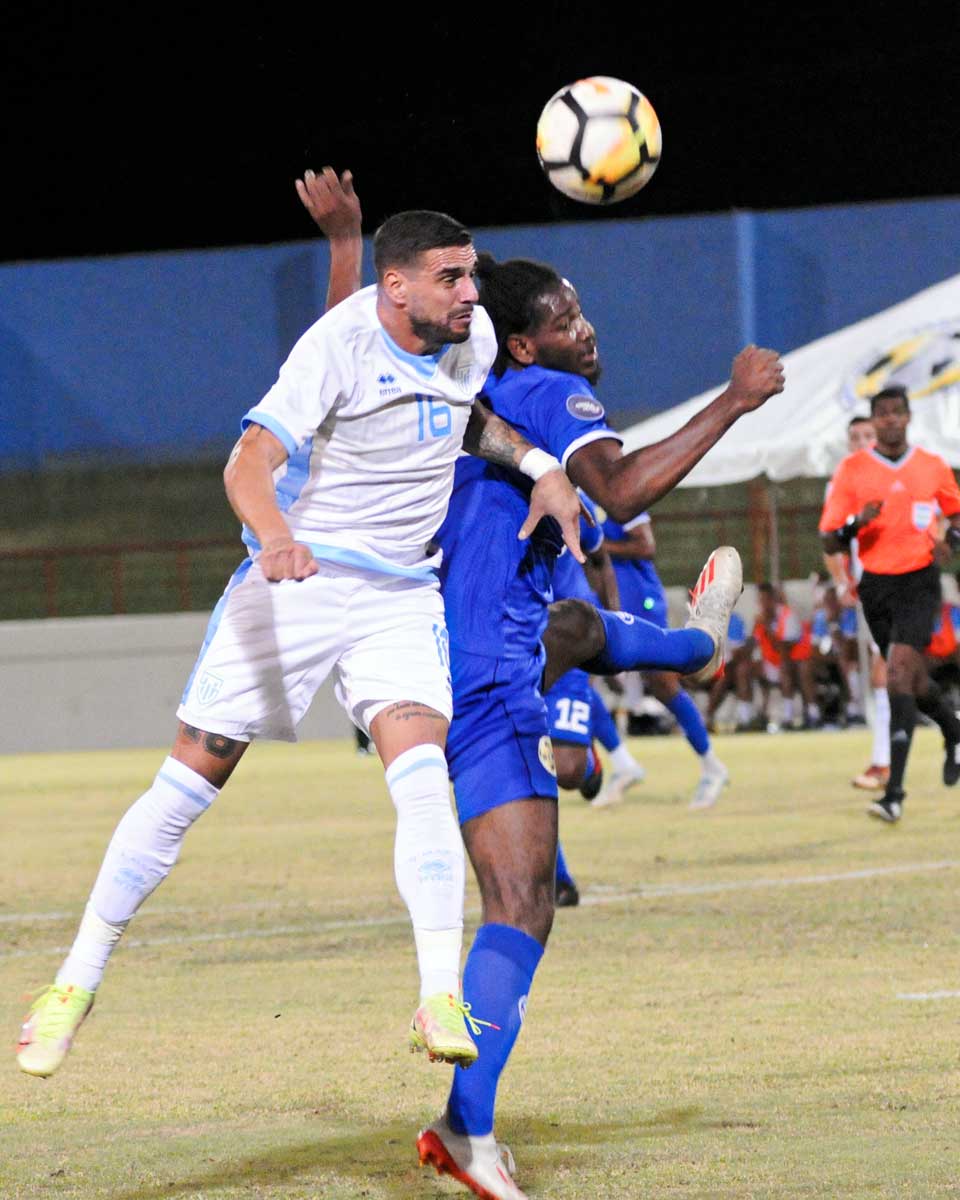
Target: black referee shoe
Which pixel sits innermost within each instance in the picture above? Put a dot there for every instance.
(951, 763)
(888, 808)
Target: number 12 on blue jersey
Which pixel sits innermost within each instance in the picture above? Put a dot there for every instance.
(434, 418)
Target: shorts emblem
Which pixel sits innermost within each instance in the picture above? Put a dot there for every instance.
(545, 751)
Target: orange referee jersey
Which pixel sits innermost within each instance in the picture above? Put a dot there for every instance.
(913, 489)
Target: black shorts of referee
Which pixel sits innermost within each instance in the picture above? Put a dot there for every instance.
(901, 608)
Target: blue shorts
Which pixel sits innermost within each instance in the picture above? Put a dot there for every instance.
(499, 748)
(568, 709)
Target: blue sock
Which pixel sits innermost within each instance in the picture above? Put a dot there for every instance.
(684, 708)
(563, 871)
(635, 645)
(602, 724)
(496, 981)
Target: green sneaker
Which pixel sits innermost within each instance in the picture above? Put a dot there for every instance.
(439, 1026)
(50, 1027)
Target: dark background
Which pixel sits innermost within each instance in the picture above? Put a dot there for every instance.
(159, 129)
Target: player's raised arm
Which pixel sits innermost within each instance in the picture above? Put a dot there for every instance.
(248, 478)
(335, 209)
(553, 495)
(626, 484)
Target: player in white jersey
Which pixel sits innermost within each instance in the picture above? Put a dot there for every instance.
(341, 477)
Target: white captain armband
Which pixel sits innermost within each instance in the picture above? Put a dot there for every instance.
(536, 463)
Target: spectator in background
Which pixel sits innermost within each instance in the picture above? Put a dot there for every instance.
(833, 631)
(943, 651)
(783, 658)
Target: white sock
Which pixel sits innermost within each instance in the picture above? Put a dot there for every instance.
(710, 764)
(744, 712)
(429, 865)
(853, 683)
(787, 712)
(141, 854)
(622, 759)
(881, 729)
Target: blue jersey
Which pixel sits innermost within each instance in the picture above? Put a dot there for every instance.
(641, 591)
(496, 589)
(569, 579)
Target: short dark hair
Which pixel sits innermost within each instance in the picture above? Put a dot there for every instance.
(512, 293)
(858, 421)
(402, 238)
(767, 587)
(895, 391)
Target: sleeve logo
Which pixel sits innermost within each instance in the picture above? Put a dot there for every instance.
(584, 408)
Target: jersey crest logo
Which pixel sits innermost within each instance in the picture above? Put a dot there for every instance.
(545, 751)
(208, 688)
(584, 408)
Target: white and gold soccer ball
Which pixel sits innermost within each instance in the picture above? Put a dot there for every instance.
(598, 140)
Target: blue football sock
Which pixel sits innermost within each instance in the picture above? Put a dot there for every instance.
(563, 871)
(602, 724)
(684, 708)
(496, 982)
(635, 645)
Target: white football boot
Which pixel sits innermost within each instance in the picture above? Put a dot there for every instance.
(480, 1163)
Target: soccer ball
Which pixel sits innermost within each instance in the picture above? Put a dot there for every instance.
(598, 140)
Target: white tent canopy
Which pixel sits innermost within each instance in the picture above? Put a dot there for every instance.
(802, 432)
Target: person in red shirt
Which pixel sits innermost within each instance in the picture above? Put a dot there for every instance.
(888, 498)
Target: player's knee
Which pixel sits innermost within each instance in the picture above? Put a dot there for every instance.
(579, 623)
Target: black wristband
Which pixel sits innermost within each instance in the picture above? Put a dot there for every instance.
(847, 531)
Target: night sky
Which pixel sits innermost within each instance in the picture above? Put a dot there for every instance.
(150, 131)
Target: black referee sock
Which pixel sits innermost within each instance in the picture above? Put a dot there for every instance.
(933, 705)
(903, 717)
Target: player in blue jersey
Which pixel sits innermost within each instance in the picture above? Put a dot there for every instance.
(496, 595)
(632, 548)
(497, 592)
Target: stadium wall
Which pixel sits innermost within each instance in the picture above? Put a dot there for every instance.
(106, 683)
(152, 358)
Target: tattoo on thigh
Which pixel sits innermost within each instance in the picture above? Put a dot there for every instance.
(410, 710)
(189, 731)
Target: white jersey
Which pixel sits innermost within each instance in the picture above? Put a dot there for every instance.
(372, 433)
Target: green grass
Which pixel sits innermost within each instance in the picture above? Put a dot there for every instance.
(720, 1018)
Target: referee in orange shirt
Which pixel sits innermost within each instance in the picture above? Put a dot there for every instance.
(888, 498)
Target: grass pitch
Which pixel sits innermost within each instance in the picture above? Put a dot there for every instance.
(757, 1001)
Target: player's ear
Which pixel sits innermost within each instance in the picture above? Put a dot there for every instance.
(521, 349)
(394, 284)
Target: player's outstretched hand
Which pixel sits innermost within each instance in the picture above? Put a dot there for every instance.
(331, 202)
(555, 496)
(756, 376)
(284, 558)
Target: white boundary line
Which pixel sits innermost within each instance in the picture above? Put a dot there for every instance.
(644, 892)
(928, 995)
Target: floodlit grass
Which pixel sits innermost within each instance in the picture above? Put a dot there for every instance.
(722, 1017)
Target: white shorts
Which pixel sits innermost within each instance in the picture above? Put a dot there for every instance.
(270, 646)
